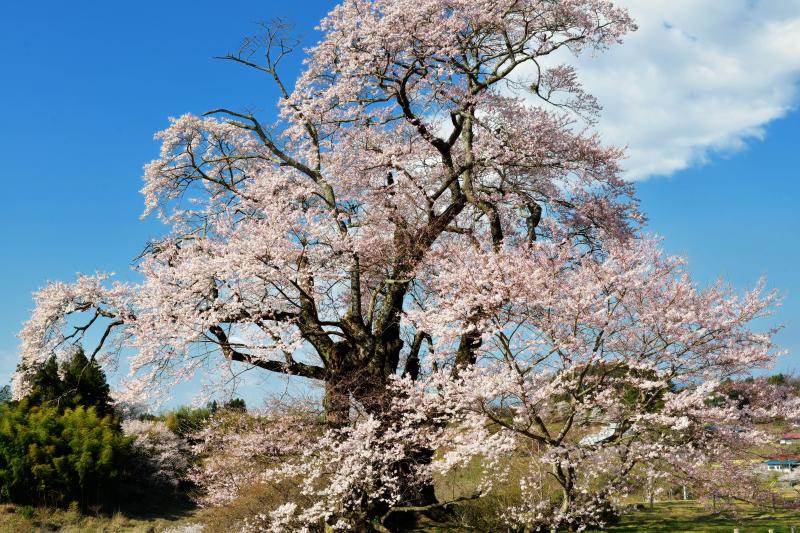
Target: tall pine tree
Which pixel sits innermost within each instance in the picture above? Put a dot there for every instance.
(78, 381)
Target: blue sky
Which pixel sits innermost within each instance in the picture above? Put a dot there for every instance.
(85, 85)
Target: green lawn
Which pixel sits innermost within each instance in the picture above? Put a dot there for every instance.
(16, 519)
(683, 517)
(689, 517)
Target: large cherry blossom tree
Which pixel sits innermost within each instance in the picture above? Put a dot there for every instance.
(294, 246)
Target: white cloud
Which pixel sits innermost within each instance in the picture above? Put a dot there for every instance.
(700, 76)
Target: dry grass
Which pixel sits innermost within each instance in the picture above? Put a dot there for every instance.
(24, 519)
(259, 498)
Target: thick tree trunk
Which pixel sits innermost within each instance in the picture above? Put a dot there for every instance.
(366, 385)
(336, 404)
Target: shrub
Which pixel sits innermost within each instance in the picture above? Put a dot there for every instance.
(235, 404)
(27, 512)
(48, 457)
(185, 421)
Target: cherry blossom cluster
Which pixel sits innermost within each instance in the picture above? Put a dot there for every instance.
(49, 331)
(370, 469)
(158, 455)
(235, 448)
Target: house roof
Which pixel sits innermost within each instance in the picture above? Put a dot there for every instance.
(790, 460)
(794, 435)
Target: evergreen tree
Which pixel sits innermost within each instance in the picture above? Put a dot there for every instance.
(78, 382)
(236, 404)
(47, 388)
(85, 384)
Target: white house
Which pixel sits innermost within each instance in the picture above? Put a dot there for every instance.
(790, 438)
(782, 464)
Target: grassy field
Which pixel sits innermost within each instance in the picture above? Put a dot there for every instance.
(688, 517)
(15, 519)
(684, 517)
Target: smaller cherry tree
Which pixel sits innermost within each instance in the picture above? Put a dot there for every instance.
(603, 361)
(235, 448)
(158, 456)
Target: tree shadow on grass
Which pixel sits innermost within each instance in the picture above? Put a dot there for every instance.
(148, 503)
